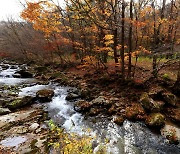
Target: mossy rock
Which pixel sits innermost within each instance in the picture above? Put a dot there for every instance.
(45, 95)
(170, 98)
(149, 104)
(155, 120)
(4, 111)
(20, 102)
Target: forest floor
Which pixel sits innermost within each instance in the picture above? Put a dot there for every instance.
(108, 83)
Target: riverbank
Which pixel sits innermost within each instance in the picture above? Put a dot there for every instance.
(100, 102)
(153, 101)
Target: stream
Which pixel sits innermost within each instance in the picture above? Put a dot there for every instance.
(130, 138)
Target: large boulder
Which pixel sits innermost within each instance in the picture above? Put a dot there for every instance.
(45, 95)
(135, 112)
(24, 74)
(170, 98)
(155, 120)
(149, 104)
(20, 102)
(82, 106)
(4, 111)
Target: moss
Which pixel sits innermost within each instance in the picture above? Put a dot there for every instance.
(165, 76)
(15, 104)
(155, 119)
(56, 75)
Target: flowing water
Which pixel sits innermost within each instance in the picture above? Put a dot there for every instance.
(130, 138)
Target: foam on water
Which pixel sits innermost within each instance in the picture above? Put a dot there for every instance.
(31, 91)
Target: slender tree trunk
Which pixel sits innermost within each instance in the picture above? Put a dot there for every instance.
(115, 33)
(154, 44)
(170, 24)
(130, 39)
(122, 39)
(115, 46)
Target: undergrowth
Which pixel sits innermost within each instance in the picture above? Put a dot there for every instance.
(67, 143)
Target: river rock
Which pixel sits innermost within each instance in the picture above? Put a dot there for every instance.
(135, 111)
(101, 101)
(20, 102)
(118, 120)
(112, 110)
(13, 67)
(4, 111)
(172, 133)
(45, 95)
(173, 114)
(155, 91)
(149, 104)
(34, 126)
(82, 106)
(18, 130)
(2, 101)
(5, 67)
(16, 75)
(72, 96)
(24, 74)
(94, 111)
(155, 120)
(170, 98)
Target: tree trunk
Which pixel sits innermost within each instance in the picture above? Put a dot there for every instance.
(130, 39)
(115, 33)
(122, 40)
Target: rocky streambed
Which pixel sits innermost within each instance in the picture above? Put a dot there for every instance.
(27, 106)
